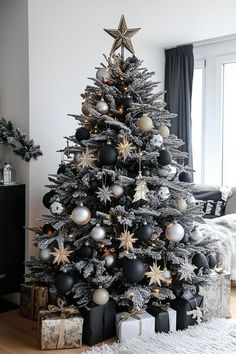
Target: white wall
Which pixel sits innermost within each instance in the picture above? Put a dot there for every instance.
(66, 43)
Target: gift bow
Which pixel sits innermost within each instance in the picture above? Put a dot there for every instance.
(63, 310)
(162, 306)
(135, 314)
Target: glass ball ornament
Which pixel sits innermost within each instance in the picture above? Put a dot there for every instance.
(144, 232)
(134, 270)
(108, 155)
(181, 204)
(56, 208)
(211, 258)
(163, 193)
(166, 275)
(98, 233)
(109, 260)
(199, 260)
(174, 232)
(47, 198)
(163, 130)
(103, 75)
(85, 252)
(146, 172)
(117, 190)
(101, 296)
(82, 133)
(185, 176)
(156, 140)
(164, 158)
(85, 108)
(81, 215)
(102, 107)
(145, 124)
(64, 282)
(45, 254)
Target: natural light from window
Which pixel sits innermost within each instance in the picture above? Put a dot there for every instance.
(229, 124)
(197, 95)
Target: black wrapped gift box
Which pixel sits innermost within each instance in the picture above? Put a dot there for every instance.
(161, 318)
(99, 323)
(182, 306)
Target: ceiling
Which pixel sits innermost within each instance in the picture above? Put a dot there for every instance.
(174, 22)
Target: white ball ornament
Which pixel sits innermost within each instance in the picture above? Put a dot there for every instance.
(102, 107)
(103, 75)
(145, 124)
(156, 140)
(192, 200)
(181, 204)
(109, 260)
(101, 296)
(45, 254)
(98, 233)
(56, 208)
(163, 193)
(81, 215)
(166, 274)
(174, 232)
(117, 190)
(164, 130)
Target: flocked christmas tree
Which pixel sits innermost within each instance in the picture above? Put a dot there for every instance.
(122, 211)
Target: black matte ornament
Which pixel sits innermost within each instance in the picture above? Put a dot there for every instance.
(146, 172)
(134, 270)
(128, 101)
(211, 261)
(64, 283)
(61, 169)
(145, 232)
(199, 260)
(48, 229)
(164, 158)
(108, 155)
(185, 176)
(47, 197)
(82, 134)
(85, 251)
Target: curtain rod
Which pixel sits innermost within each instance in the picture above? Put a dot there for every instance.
(204, 42)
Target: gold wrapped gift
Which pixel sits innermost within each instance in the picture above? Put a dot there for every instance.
(33, 298)
(60, 327)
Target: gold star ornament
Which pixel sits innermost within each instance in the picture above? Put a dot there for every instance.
(125, 148)
(61, 255)
(86, 159)
(155, 274)
(126, 240)
(122, 36)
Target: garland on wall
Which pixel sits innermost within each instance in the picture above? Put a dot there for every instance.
(18, 141)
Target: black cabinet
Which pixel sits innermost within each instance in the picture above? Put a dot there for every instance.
(12, 237)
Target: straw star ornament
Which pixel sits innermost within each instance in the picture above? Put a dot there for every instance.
(155, 274)
(61, 255)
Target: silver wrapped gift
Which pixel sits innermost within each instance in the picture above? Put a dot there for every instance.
(217, 295)
(60, 328)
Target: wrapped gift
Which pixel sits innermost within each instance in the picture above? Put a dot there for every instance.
(99, 323)
(133, 324)
(60, 327)
(33, 298)
(217, 295)
(189, 310)
(165, 317)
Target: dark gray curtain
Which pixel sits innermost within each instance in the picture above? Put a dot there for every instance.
(178, 83)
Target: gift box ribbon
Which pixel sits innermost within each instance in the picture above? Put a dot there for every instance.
(62, 310)
(135, 314)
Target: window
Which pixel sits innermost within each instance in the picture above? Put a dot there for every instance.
(197, 119)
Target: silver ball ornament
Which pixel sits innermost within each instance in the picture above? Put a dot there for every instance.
(103, 74)
(164, 130)
(181, 204)
(145, 124)
(81, 215)
(98, 233)
(101, 296)
(56, 208)
(174, 232)
(117, 190)
(102, 107)
(109, 260)
(45, 254)
(156, 140)
(166, 275)
(163, 193)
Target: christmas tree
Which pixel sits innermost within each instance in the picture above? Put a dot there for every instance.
(123, 217)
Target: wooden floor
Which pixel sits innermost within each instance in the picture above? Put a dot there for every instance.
(19, 335)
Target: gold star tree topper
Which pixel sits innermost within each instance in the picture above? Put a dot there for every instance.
(122, 36)
(126, 240)
(61, 255)
(155, 274)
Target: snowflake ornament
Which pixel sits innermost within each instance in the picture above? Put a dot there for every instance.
(104, 194)
(186, 271)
